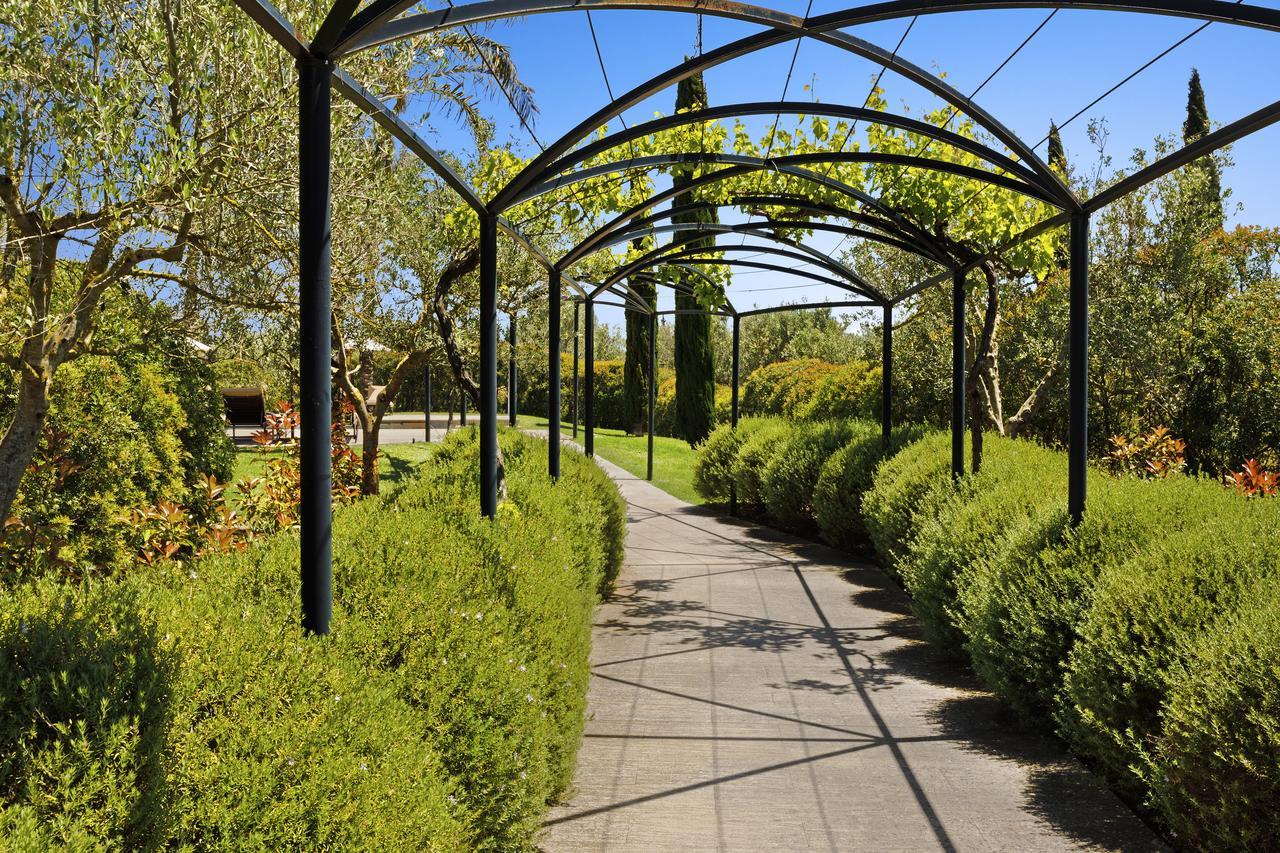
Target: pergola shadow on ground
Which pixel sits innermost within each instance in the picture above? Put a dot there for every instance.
(348, 29)
(754, 691)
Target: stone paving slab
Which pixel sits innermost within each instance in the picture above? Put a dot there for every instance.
(753, 691)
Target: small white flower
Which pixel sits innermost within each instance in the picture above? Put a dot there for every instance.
(193, 574)
(528, 697)
(524, 775)
(522, 667)
(364, 766)
(290, 762)
(337, 698)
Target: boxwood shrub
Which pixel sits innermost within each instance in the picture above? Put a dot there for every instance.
(1143, 622)
(845, 478)
(757, 449)
(900, 488)
(1214, 777)
(792, 470)
(183, 707)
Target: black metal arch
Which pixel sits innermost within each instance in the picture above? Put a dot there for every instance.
(345, 31)
(1030, 183)
(679, 249)
(697, 230)
(918, 234)
(783, 28)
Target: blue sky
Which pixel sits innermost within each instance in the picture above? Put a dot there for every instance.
(1075, 57)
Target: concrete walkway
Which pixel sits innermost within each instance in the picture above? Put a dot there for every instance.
(753, 691)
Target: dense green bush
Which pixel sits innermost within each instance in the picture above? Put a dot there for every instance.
(901, 485)
(812, 390)
(758, 448)
(1214, 778)
(713, 469)
(1021, 614)
(845, 478)
(188, 710)
(1144, 619)
(964, 528)
(793, 469)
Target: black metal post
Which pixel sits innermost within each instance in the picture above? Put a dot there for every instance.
(489, 365)
(1078, 368)
(553, 374)
(315, 343)
(589, 346)
(513, 395)
(886, 378)
(462, 406)
(957, 374)
(426, 405)
(653, 386)
(733, 398)
(576, 305)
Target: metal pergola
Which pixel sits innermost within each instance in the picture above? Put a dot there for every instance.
(348, 29)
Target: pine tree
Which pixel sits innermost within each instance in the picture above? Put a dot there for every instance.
(635, 373)
(1195, 127)
(695, 363)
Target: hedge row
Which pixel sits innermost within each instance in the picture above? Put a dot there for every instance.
(1142, 633)
(183, 707)
(810, 389)
(800, 473)
(1146, 636)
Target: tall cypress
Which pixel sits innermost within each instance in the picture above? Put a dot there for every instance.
(695, 407)
(1196, 126)
(635, 373)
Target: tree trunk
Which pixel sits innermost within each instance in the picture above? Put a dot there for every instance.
(979, 405)
(22, 438)
(456, 269)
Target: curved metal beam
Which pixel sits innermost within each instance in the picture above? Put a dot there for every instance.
(810, 255)
(885, 231)
(587, 245)
(760, 229)
(672, 252)
(783, 28)
(761, 265)
(1030, 185)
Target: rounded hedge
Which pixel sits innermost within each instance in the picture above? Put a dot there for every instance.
(846, 477)
(792, 471)
(754, 455)
(902, 483)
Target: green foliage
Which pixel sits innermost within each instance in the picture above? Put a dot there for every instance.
(713, 471)
(901, 486)
(793, 469)
(845, 478)
(117, 446)
(813, 390)
(1021, 614)
(1144, 619)
(965, 529)
(176, 709)
(1213, 777)
(757, 450)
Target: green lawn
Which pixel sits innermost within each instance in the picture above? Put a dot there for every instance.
(673, 458)
(396, 462)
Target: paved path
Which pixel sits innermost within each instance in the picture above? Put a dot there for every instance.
(753, 691)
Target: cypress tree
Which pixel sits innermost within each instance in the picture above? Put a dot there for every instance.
(1196, 126)
(1057, 156)
(695, 365)
(635, 373)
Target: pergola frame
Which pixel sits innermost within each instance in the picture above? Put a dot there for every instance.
(346, 30)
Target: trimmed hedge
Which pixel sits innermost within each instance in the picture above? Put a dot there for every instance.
(759, 444)
(847, 475)
(793, 469)
(183, 707)
(1141, 630)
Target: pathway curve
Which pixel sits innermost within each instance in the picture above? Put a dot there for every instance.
(754, 691)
